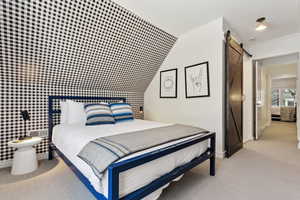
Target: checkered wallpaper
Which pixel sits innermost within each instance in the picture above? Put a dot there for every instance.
(71, 47)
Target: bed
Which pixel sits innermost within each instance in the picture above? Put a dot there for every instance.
(141, 175)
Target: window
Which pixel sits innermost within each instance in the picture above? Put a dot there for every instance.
(283, 97)
(288, 97)
(275, 97)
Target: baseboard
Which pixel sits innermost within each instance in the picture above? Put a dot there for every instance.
(248, 140)
(220, 154)
(267, 124)
(5, 163)
(8, 163)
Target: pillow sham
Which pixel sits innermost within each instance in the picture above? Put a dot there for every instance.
(76, 112)
(121, 111)
(97, 114)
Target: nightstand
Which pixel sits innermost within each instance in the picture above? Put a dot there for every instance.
(25, 160)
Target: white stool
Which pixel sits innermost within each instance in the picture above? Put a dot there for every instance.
(25, 160)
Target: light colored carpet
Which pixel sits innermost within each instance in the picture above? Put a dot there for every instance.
(265, 169)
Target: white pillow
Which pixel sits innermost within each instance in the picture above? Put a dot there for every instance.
(76, 113)
(64, 112)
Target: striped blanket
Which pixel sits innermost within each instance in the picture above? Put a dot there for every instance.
(102, 152)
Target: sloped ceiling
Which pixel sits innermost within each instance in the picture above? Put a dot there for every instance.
(179, 16)
(81, 44)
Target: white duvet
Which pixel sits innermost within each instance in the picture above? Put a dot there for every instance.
(70, 139)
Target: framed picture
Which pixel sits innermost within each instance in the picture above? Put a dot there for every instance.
(168, 83)
(197, 80)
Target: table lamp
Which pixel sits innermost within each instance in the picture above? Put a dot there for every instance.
(25, 117)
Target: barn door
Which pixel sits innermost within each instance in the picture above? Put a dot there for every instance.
(234, 97)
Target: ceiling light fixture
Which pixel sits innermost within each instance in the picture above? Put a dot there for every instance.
(261, 24)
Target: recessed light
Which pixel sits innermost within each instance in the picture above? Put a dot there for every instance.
(261, 24)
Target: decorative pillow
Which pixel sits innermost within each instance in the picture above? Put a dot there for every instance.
(76, 114)
(64, 112)
(121, 111)
(97, 114)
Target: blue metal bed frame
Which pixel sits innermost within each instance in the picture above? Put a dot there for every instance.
(115, 169)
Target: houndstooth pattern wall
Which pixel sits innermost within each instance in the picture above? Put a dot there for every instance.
(71, 47)
(86, 44)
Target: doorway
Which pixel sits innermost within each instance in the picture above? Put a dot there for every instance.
(275, 95)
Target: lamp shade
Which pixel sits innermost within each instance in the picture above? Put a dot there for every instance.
(25, 115)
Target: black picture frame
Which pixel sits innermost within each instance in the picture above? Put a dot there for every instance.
(160, 84)
(207, 78)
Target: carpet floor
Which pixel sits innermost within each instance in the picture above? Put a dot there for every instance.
(265, 169)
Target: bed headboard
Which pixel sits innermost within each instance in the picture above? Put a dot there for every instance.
(56, 111)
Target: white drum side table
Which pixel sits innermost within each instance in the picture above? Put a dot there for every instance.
(25, 160)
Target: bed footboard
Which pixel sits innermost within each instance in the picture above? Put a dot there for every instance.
(115, 169)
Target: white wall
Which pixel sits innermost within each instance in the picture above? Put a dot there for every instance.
(281, 70)
(248, 99)
(199, 45)
(298, 101)
(267, 97)
(259, 96)
(264, 96)
(284, 83)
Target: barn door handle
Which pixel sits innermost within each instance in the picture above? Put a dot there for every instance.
(259, 103)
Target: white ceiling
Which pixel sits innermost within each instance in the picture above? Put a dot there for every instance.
(179, 16)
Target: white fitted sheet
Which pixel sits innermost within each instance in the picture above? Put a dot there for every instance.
(70, 139)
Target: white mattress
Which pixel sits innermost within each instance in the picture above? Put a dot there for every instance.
(70, 139)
